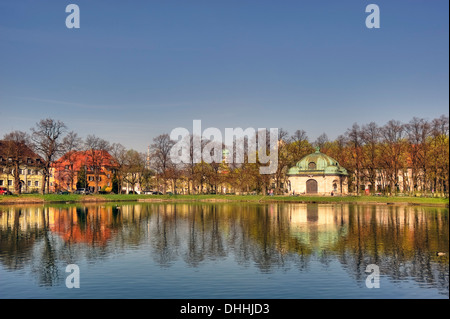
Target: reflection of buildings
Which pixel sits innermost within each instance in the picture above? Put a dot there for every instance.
(76, 225)
(401, 240)
(82, 225)
(318, 226)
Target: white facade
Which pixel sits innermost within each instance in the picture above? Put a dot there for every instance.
(326, 185)
(318, 174)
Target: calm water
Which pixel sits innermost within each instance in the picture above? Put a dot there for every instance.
(276, 251)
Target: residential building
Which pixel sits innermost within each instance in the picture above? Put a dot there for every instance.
(99, 167)
(19, 156)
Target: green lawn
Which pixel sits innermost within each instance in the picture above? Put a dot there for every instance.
(11, 199)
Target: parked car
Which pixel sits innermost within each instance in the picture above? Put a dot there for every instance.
(157, 193)
(4, 191)
(83, 191)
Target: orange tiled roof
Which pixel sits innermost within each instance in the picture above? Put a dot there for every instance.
(84, 158)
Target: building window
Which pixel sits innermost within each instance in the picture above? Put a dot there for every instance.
(1, 182)
(29, 171)
(312, 165)
(9, 182)
(91, 178)
(29, 183)
(21, 172)
(36, 183)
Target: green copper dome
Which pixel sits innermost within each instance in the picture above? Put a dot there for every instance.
(317, 163)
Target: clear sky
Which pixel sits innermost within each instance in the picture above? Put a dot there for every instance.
(137, 69)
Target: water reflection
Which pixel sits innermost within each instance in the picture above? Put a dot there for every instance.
(403, 241)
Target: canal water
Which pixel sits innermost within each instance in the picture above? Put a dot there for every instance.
(223, 251)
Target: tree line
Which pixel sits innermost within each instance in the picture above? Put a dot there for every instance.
(412, 157)
(414, 154)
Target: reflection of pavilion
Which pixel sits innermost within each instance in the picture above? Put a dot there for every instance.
(317, 226)
(401, 240)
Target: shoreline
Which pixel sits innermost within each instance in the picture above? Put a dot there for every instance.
(367, 200)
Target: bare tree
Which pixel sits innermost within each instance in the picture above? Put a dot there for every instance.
(71, 143)
(46, 139)
(418, 130)
(160, 155)
(15, 150)
(370, 138)
(439, 160)
(97, 149)
(322, 142)
(119, 152)
(392, 135)
(299, 145)
(134, 166)
(354, 139)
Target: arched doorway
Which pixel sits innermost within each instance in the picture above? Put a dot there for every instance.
(311, 186)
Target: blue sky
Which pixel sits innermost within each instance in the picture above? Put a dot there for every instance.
(137, 69)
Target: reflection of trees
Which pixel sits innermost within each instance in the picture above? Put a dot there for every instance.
(400, 245)
(196, 236)
(46, 268)
(164, 235)
(401, 240)
(46, 239)
(15, 243)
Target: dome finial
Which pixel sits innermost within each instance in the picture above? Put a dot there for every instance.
(317, 149)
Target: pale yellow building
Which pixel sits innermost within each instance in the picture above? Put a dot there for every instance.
(318, 174)
(30, 168)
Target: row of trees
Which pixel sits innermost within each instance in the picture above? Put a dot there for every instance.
(414, 154)
(412, 157)
(51, 139)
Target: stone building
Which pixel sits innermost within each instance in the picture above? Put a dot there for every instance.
(318, 174)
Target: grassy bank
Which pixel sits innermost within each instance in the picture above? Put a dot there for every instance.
(51, 198)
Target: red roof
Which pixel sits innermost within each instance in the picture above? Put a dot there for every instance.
(85, 158)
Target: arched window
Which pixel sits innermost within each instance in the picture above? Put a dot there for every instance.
(312, 165)
(335, 186)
